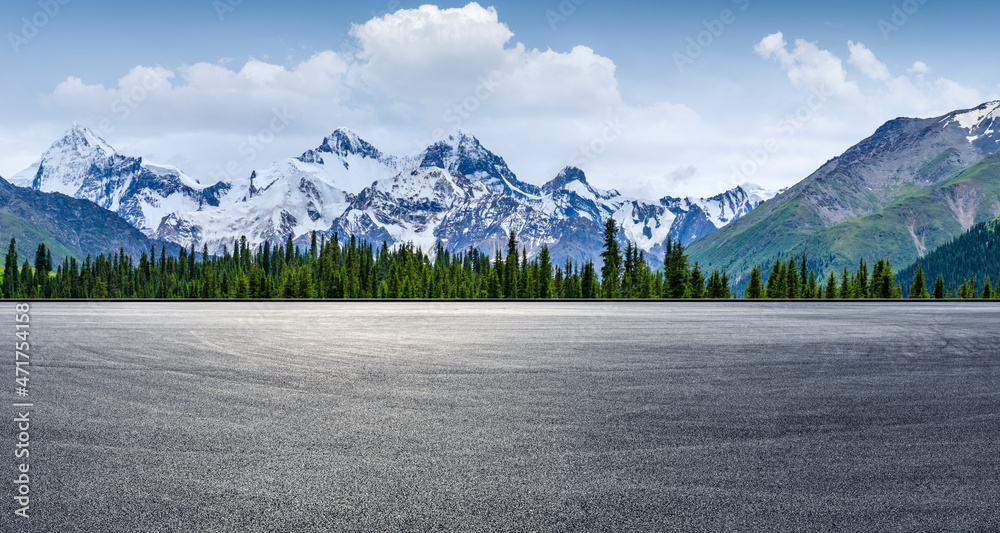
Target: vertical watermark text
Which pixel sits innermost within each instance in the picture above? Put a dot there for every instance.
(22, 422)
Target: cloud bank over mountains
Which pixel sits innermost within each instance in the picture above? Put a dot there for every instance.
(424, 73)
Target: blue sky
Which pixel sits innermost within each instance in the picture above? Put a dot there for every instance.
(616, 88)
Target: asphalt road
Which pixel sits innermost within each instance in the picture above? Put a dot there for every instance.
(363, 416)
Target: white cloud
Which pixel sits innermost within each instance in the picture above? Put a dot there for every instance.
(919, 67)
(865, 61)
(808, 67)
(415, 76)
(428, 51)
(418, 74)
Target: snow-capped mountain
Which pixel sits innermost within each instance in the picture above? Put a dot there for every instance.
(83, 165)
(290, 197)
(647, 222)
(463, 153)
(348, 162)
(455, 192)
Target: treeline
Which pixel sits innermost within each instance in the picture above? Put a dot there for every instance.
(358, 269)
(794, 280)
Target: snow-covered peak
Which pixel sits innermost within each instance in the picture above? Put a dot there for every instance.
(84, 141)
(732, 204)
(462, 152)
(65, 166)
(757, 195)
(343, 143)
(83, 165)
(457, 146)
(25, 177)
(574, 180)
(565, 177)
(971, 119)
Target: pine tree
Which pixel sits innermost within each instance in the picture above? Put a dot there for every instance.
(523, 284)
(804, 286)
(987, 289)
(289, 250)
(775, 288)
(544, 273)
(696, 283)
(791, 281)
(812, 288)
(611, 270)
(861, 280)
(10, 277)
(831, 286)
(676, 270)
(919, 287)
(939, 288)
(590, 288)
(753, 290)
(511, 268)
(847, 287)
(882, 280)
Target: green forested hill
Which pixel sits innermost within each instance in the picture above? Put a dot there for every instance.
(976, 253)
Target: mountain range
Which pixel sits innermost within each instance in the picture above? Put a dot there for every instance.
(455, 192)
(911, 187)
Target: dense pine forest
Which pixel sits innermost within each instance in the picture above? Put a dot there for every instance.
(960, 267)
(358, 269)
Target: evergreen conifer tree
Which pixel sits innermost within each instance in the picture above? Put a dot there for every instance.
(919, 287)
(611, 270)
(753, 290)
(10, 274)
(697, 283)
(939, 288)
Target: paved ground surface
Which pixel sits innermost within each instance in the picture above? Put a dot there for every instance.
(509, 417)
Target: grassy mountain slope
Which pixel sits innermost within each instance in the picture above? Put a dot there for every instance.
(906, 178)
(29, 235)
(915, 225)
(67, 226)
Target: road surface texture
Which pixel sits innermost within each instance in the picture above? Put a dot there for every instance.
(366, 416)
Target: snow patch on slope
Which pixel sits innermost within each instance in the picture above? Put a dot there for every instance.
(973, 118)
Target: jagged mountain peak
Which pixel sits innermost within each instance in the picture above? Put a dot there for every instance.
(343, 143)
(461, 151)
(566, 176)
(461, 143)
(83, 141)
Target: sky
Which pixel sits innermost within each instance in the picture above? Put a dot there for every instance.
(649, 98)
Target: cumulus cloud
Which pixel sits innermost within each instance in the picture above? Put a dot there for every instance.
(414, 76)
(428, 51)
(882, 95)
(808, 66)
(865, 61)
